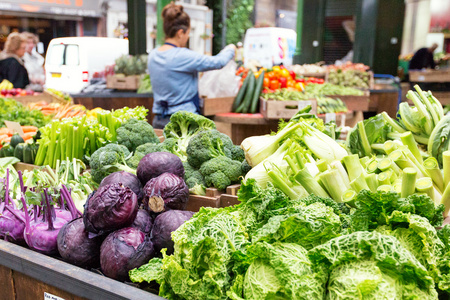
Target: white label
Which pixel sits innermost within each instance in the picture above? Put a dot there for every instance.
(14, 127)
(315, 44)
(48, 296)
(330, 117)
(343, 119)
(303, 104)
(394, 40)
(421, 78)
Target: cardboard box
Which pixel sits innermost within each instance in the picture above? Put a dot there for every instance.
(273, 109)
(123, 83)
(213, 106)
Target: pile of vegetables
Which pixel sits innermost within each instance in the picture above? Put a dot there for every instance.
(329, 89)
(11, 110)
(329, 105)
(306, 69)
(350, 78)
(247, 98)
(58, 110)
(131, 65)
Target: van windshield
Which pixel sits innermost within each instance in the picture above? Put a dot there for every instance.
(61, 54)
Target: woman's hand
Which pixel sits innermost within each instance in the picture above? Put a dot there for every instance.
(230, 46)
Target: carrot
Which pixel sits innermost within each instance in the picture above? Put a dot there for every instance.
(3, 137)
(4, 130)
(29, 129)
(28, 135)
(7, 140)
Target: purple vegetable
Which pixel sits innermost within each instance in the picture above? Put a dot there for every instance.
(167, 191)
(42, 236)
(164, 225)
(75, 246)
(154, 164)
(127, 179)
(12, 221)
(112, 207)
(143, 221)
(123, 250)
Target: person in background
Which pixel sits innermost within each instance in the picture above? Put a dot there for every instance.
(423, 58)
(239, 57)
(34, 62)
(11, 64)
(174, 68)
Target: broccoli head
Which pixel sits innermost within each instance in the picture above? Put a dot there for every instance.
(194, 180)
(206, 145)
(183, 126)
(134, 133)
(237, 153)
(142, 151)
(171, 145)
(109, 159)
(221, 172)
(245, 167)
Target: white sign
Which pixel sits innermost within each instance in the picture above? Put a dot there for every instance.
(48, 296)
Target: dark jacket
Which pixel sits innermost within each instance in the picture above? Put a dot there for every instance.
(422, 59)
(12, 70)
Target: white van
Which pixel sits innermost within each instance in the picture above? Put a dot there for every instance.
(70, 62)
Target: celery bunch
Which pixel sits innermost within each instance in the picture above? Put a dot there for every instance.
(113, 119)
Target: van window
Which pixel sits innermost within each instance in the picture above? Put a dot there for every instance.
(67, 55)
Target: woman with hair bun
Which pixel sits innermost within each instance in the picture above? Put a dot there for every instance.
(11, 61)
(174, 68)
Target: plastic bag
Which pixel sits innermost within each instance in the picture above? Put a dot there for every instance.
(220, 83)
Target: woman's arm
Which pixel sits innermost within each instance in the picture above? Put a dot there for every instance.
(194, 62)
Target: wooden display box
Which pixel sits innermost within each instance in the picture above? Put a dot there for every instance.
(211, 199)
(44, 96)
(213, 106)
(429, 76)
(160, 134)
(20, 166)
(355, 103)
(273, 109)
(123, 83)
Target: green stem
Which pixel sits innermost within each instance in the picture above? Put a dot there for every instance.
(446, 167)
(408, 182)
(432, 167)
(390, 146)
(393, 123)
(372, 182)
(309, 183)
(353, 165)
(348, 197)
(358, 184)
(425, 185)
(364, 141)
(408, 140)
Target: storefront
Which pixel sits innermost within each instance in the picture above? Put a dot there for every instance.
(50, 19)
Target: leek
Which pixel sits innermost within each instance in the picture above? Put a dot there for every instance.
(372, 167)
(384, 178)
(446, 200)
(364, 160)
(425, 185)
(400, 159)
(408, 140)
(338, 166)
(408, 182)
(334, 184)
(397, 186)
(385, 188)
(359, 184)
(348, 197)
(386, 163)
(390, 146)
(310, 184)
(432, 167)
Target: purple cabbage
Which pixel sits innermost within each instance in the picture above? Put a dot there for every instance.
(123, 250)
(127, 179)
(143, 221)
(75, 246)
(112, 207)
(164, 225)
(154, 164)
(167, 191)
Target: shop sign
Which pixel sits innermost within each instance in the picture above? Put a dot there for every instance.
(82, 8)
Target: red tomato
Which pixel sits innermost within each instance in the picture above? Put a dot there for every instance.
(274, 84)
(266, 82)
(283, 82)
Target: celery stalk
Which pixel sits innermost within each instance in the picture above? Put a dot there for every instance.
(390, 146)
(430, 108)
(299, 158)
(359, 184)
(425, 185)
(372, 167)
(322, 165)
(309, 183)
(364, 160)
(281, 184)
(422, 171)
(338, 166)
(386, 163)
(348, 197)
(363, 136)
(292, 164)
(372, 183)
(432, 167)
(408, 182)
(446, 167)
(384, 178)
(400, 159)
(378, 147)
(334, 184)
(353, 166)
(408, 140)
(422, 110)
(385, 188)
(393, 123)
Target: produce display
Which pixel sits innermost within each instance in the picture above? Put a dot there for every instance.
(329, 105)
(301, 70)
(11, 110)
(350, 78)
(62, 96)
(131, 65)
(58, 110)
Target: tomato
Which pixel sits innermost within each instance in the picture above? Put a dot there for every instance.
(266, 82)
(270, 75)
(283, 82)
(321, 81)
(274, 84)
(293, 75)
(300, 80)
(285, 73)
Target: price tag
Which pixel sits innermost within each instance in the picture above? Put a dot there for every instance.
(303, 104)
(48, 296)
(421, 78)
(330, 117)
(14, 127)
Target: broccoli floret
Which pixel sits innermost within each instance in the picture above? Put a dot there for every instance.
(194, 180)
(206, 145)
(183, 126)
(237, 153)
(171, 146)
(134, 133)
(221, 172)
(245, 167)
(142, 151)
(109, 159)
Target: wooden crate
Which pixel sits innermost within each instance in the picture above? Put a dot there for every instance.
(213, 106)
(272, 109)
(230, 197)
(160, 134)
(44, 96)
(355, 103)
(429, 75)
(123, 83)
(211, 199)
(20, 166)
